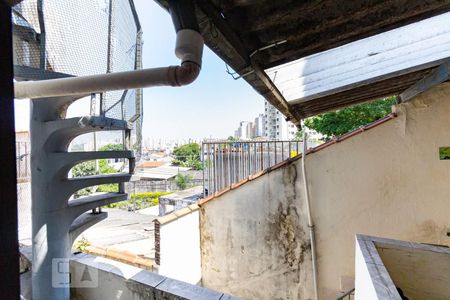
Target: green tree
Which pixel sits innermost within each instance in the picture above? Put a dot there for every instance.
(188, 156)
(103, 165)
(111, 147)
(350, 118)
(88, 168)
(183, 181)
(298, 135)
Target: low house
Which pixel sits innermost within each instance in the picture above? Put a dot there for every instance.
(180, 199)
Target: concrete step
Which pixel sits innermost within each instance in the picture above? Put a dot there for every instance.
(61, 132)
(64, 161)
(83, 222)
(72, 185)
(80, 205)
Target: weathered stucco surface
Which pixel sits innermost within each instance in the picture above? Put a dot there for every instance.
(387, 182)
(254, 239)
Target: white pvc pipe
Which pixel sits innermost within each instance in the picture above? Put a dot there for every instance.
(310, 221)
(189, 48)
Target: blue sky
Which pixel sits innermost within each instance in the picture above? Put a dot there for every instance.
(210, 107)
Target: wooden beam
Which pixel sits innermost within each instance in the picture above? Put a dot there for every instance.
(9, 252)
(224, 28)
(280, 103)
(437, 76)
(272, 93)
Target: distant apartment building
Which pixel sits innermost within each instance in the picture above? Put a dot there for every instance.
(244, 131)
(260, 126)
(276, 126)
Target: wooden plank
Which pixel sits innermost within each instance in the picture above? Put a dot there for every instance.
(361, 94)
(439, 75)
(282, 105)
(9, 252)
(404, 50)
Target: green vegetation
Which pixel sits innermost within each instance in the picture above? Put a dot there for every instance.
(143, 200)
(111, 147)
(350, 118)
(298, 135)
(88, 168)
(81, 245)
(444, 153)
(188, 156)
(183, 181)
(108, 188)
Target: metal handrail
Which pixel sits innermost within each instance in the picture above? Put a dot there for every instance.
(228, 162)
(23, 169)
(347, 295)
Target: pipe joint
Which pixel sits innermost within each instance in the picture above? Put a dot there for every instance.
(189, 46)
(183, 75)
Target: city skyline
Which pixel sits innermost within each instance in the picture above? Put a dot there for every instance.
(204, 109)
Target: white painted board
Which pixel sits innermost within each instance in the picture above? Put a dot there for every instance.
(393, 53)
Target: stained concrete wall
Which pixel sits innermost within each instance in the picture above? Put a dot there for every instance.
(387, 181)
(254, 239)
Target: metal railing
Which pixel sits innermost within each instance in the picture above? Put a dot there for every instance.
(348, 296)
(23, 161)
(225, 163)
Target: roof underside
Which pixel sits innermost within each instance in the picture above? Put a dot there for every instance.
(235, 29)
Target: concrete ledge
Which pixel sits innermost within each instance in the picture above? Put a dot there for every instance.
(418, 271)
(120, 255)
(177, 214)
(372, 279)
(115, 278)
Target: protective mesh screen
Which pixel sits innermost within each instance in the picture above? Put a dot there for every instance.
(80, 37)
(26, 34)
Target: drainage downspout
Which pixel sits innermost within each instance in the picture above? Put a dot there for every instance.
(188, 48)
(310, 221)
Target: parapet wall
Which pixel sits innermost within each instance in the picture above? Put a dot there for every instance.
(115, 280)
(387, 181)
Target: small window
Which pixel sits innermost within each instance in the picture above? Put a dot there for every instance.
(444, 153)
